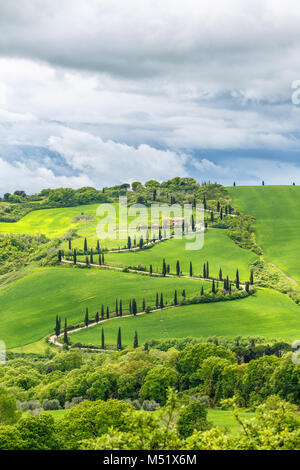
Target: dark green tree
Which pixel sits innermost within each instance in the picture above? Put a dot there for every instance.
(107, 312)
(183, 293)
(91, 257)
(164, 268)
(59, 256)
(135, 341)
(156, 300)
(102, 339)
(207, 269)
(213, 288)
(86, 318)
(66, 339)
(75, 256)
(161, 303)
(237, 279)
(191, 269)
(151, 269)
(129, 243)
(70, 244)
(97, 317)
(85, 247)
(102, 312)
(121, 308)
(134, 307)
(175, 298)
(251, 278)
(220, 275)
(204, 271)
(119, 339)
(177, 268)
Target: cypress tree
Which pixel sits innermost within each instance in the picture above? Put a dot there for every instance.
(66, 339)
(213, 289)
(220, 275)
(141, 242)
(97, 317)
(161, 304)
(221, 213)
(237, 280)
(175, 298)
(117, 309)
(228, 283)
(87, 261)
(134, 307)
(204, 203)
(102, 312)
(202, 290)
(99, 260)
(207, 269)
(168, 269)
(135, 341)
(119, 340)
(107, 313)
(98, 246)
(147, 237)
(178, 268)
(59, 255)
(75, 256)
(183, 293)
(144, 305)
(156, 301)
(103, 258)
(164, 269)
(251, 278)
(129, 242)
(57, 326)
(204, 271)
(130, 307)
(192, 222)
(159, 234)
(91, 256)
(218, 206)
(70, 244)
(154, 195)
(86, 318)
(151, 269)
(85, 245)
(134, 241)
(191, 269)
(102, 339)
(247, 287)
(212, 217)
(121, 308)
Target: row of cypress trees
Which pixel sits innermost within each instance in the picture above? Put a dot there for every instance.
(119, 340)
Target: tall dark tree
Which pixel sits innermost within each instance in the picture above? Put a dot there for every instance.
(85, 247)
(156, 300)
(207, 269)
(102, 312)
(97, 317)
(141, 242)
(192, 222)
(66, 339)
(204, 271)
(263, 183)
(135, 341)
(212, 217)
(234, 183)
(154, 194)
(191, 269)
(59, 255)
(75, 256)
(218, 206)
(121, 308)
(134, 307)
(87, 261)
(161, 303)
(130, 307)
(159, 234)
(151, 269)
(98, 246)
(102, 339)
(70, 244)
(144, 305)
(57, 326)
(202, 290)
(183, 293)
(86, 318)
(107, 312)
(247, 286)
(175, 297)
(178, 268)
(91, 257)
(119, 339)
(204, 203)
(102, 258)
(237, 279)
(221, 213)
(220, 275)
(129, 243)
(168, 269)
(251, 278)
(213, 288)
(164, 268)
(117, 308)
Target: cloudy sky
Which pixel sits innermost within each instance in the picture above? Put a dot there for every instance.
(99, 92)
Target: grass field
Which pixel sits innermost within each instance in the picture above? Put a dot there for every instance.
(29, 306)
(268, 313)
(218, 249)
(277, 213)
(219, 418)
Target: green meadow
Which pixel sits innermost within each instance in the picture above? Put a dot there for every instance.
(267, 313)
(277, 213)
(29, 306)
(218, 249)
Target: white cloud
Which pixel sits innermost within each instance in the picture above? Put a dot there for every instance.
(110, 162)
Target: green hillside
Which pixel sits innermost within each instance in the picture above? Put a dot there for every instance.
(268, 313)
(277, 213)
(218, 249)
(29, 306)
